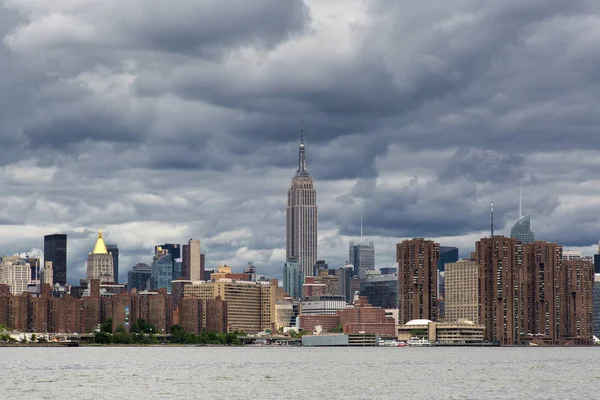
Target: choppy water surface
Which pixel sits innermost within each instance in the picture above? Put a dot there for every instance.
(299, 373)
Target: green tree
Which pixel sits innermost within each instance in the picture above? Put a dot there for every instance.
(106, 326)
(34, 337)
(178, 334)
(102, 337)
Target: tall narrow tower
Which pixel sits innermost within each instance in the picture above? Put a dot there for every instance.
(301, 217)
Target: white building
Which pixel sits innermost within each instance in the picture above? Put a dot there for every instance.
(15, 273)
(571, 255)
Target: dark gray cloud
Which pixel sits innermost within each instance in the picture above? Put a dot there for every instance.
(182, 121)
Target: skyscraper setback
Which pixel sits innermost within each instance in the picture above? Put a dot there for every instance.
(301, 217)
(55, 250)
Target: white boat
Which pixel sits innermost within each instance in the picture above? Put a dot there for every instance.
(418, 342)
(388, 343)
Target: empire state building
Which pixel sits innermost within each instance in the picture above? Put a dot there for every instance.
(301, 223)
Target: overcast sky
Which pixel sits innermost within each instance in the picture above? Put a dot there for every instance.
(163, 121)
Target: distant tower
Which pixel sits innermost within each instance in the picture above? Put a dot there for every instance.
(301, 216)
(55, 250)
(521, 230)
(100, 263)
(113, 249)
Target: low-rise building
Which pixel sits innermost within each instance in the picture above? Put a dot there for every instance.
(460, 332)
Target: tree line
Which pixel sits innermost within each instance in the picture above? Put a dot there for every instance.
(142, 332)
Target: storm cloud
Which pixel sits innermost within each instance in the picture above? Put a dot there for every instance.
(162, 122)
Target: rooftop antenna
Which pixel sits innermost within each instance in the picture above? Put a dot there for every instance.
(520, 199)
(492, 216)
(361, 229)
(301, 130)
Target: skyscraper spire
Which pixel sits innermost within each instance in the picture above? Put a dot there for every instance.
(302, 170)
(520, 199)
(361, 229)
(492, 216)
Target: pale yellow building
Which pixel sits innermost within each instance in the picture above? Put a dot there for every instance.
(461, 332)
(222, 272)
(462, 291)
(100, 263)
(250, 305)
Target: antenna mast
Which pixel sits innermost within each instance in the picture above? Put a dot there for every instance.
(492, 217)
(520, 199)
(361, 228)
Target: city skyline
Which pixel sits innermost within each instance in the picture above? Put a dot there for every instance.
(101, 130)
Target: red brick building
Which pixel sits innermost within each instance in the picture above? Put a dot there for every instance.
(216, 315)
(190, 314)
(327, 322)
(417, 279)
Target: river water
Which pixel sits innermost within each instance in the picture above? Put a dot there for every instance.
(299, 373)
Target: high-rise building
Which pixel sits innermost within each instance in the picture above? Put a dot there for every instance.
(344, 275)
(162, 272)
(596, 307)
(462, 291)
(174, 250)
(139, 276)
(381, 291)
(521, 230)
(113, 249)
(293, 279)
(538, 290)
(576, 301)
(16, 273)
(100, 263)
(302, 217)
(500, 264)
(192, 265)
(250, 305)
(417, 279)
(448, 254)
(47, 275)
(362, 256)
(55, 250)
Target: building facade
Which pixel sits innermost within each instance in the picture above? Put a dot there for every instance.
(302, 217)
(461, 300)
(100, 263)
(500, 261)
(139, 276)
(538, 290)
(596, 307)
(362, 256)
(250, 305)
(15, 272)
(293, 279)
(576, 302)
(381, 292)
(417, 279)
(448, 254)
(521, 230)
(55, 250)
(162, 272)
(113, 249)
